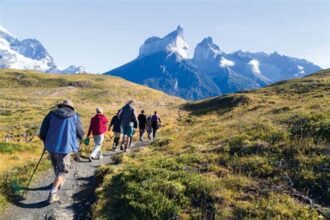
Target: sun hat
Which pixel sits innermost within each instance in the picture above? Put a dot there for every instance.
(99, 110)
(67, 103)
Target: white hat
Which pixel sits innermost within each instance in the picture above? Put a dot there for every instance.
(99, 110)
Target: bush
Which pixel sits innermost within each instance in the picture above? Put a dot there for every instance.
(117, 158)
(155, 190)
(314, 126)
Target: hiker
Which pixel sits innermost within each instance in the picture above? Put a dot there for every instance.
(97, 127)
(128, 123)
(142, 118)
(116, 123)
(155, 124)
(59, 132)
(149, 127)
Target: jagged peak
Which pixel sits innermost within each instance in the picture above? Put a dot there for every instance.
(207, 42)
(172, 42)
(206, 51)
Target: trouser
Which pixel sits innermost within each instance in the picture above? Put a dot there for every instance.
(142, 130)
(98, 140)
(154, 130)
(149, 131)
(116, 139)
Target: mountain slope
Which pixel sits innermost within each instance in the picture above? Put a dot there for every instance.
(164, 64)
(252, 155)
(28, 54)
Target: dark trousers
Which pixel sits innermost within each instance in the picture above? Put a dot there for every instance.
(142, 130)
(154, 130)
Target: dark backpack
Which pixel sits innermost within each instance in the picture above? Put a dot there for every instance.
(154, 119)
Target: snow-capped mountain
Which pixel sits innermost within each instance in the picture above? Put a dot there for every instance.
(172, 43)
(74, 70)
(164, 64)
(28, 54)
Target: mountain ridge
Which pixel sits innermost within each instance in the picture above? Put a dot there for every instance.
(223, 72)
(29, 54)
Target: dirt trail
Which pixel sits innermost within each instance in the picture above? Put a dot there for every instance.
(77, 194)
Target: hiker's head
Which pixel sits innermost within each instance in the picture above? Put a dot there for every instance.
(155, 112)
(142, 111)
(130, 102)
(99, 110)
(66, 104)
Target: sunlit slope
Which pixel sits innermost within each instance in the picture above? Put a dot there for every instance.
(26, 97)
(255, 155)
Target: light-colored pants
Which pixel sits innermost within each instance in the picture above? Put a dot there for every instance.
(98, 140)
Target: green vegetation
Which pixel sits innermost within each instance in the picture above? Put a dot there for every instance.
(27, 96)
(251, 155)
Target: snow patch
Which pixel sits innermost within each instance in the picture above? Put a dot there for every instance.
(255, 66)
(301, 69)
(226, 63)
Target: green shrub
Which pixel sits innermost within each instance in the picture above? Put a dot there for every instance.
(117, 158)
(315, 126)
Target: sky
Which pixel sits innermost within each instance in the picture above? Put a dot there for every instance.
(102, 35)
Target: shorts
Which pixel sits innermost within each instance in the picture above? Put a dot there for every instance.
(128, 131)
(61, 163)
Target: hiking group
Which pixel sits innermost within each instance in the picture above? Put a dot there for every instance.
(62, 132)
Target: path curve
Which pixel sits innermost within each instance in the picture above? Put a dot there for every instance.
(77, 195)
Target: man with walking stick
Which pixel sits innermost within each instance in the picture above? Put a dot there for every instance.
(59, 132)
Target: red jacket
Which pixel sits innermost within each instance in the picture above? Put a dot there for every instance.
(98, 125)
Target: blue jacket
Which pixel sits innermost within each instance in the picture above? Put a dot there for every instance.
(60, 129)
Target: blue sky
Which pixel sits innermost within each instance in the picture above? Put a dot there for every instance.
(102, 35)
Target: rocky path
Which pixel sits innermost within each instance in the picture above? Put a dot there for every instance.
(77, 194)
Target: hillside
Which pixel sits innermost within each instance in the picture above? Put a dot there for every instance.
(27, 96)
(262, 154)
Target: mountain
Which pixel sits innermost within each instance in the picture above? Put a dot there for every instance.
(73, 70)
(28, 54)
(164, 64)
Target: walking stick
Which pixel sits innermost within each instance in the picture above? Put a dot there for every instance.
(36, 167)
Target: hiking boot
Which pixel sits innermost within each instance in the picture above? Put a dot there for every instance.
(90, 159)
(53, 197)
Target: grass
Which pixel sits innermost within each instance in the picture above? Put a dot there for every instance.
(27, 96)
(251, 155)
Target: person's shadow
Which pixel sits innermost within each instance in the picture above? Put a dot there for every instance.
(20, 202)
(36, 205)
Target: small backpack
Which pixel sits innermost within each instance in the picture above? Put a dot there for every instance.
(154, 119)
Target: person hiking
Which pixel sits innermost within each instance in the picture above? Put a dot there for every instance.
(59, 131)
(149, 128)
(155, 124)
(128, 123)
(142, 118)
(116, 128)
(97, 127)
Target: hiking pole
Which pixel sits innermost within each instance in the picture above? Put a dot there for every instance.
(36, 167)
